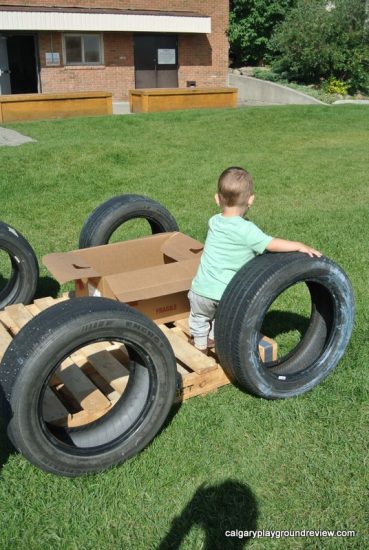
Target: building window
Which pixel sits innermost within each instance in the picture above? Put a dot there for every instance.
(83, 49)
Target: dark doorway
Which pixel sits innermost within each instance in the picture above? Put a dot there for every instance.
(156, 61)
(22, 64)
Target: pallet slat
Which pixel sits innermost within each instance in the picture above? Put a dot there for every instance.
(187, 354)
(85, 392)
(109, 368)
(16, 316)
(53, 410)
(33, 309)
(182, 324)
(44, 303)
(267, 346)
(194, 384)
(181, 370)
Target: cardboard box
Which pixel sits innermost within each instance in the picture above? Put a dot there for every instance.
(152, 274)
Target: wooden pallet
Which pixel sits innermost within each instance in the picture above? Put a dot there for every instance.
(89, 382)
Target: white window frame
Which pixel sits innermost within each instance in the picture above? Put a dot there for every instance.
(81, 35)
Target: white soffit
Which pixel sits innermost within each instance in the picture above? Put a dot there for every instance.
(13, 20)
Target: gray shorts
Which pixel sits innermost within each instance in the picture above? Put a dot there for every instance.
(201, 320)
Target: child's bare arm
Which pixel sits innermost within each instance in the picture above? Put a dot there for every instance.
(281, 245)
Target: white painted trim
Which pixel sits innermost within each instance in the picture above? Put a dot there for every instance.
(66, 21)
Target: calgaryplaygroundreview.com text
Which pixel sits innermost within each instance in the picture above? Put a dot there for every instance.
(276, 534)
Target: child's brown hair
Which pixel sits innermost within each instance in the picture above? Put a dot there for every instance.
(235, 187)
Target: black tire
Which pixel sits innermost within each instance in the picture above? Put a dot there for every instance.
(245, 303)
(22, 283)
(130, 425)
(106, 218)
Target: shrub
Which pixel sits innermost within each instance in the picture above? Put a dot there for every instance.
(358, 70)
(334, 86)
(314, 43)
(271, 76)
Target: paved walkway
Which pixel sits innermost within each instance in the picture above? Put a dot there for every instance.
(121, 108)
(11, 138)
(351, 101)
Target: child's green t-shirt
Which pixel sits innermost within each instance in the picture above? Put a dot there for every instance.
(230, 243)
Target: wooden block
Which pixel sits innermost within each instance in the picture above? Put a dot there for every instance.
(267, 349)
(180, 333)
(18, 316)
(183, 336)
(183, 325)
(62, 298)
(181, 370)
(84, 391)
(119, 351)
(84, 417)
(52, 409)
(111, 347)
(194, 384)
(44, 303)
(33, 309)
(100, 382)
(187, 354)
(115, 374)
(7, 322)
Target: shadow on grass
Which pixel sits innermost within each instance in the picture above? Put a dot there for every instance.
(47, 286)
(277, 322)
(172, 413)
(216, 509)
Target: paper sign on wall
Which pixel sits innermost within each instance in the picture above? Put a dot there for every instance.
(166, 56)
(52, 58)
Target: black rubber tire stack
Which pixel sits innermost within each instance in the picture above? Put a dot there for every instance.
(245, 303)
(22, 284)
(34, 355)
(106, 218)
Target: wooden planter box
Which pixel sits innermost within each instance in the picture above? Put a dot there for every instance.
(43, 106)
(172, 99)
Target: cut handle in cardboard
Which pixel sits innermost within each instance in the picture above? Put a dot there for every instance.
(181, 247)
(68, 267)
(81, 266)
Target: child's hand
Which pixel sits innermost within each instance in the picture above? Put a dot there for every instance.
(308, 250)
(281, 245)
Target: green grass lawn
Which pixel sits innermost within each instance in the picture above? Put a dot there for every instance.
(227, 460)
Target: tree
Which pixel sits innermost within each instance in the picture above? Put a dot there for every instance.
(250, 28)
(315, 43)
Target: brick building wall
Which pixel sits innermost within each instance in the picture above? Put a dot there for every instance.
(117, 75)
(203, 58)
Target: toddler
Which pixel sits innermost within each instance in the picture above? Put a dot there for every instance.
(230, 243)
